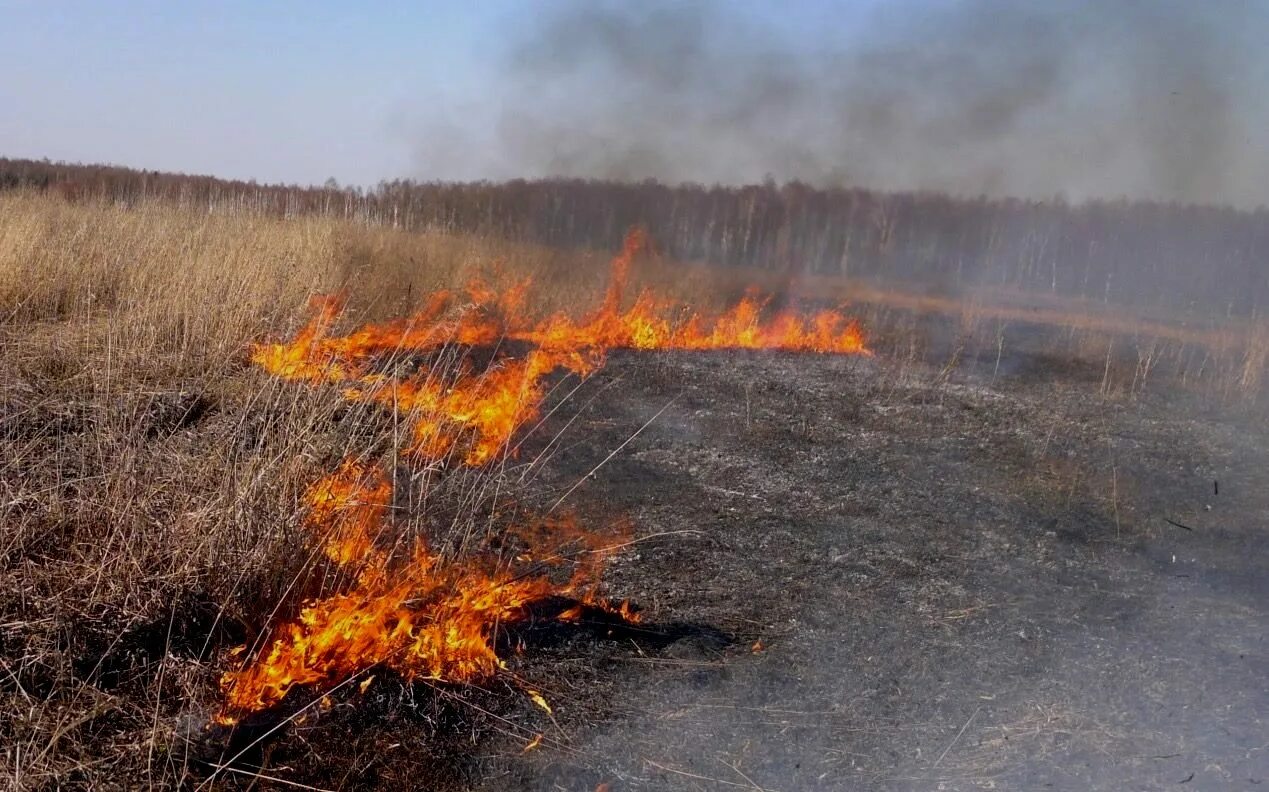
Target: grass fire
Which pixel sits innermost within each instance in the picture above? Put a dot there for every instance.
(419, 613)
(625, 397)
(549, 516)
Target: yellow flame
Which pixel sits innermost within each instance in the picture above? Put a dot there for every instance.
(416, 612)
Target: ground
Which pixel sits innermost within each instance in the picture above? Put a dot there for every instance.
(1023, 545)
(965, 582)
(854, 573)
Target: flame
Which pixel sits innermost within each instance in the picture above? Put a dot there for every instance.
(420, 613)
(423, 616)
(470, 414)
(540, 701)
(348, 506)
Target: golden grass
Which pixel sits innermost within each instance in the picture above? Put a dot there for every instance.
(151, 478)
(149, 475)
(172, 281)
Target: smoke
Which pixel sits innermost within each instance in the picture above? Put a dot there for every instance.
(1153, 99)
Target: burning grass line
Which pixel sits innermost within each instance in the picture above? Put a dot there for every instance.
(301, 574)
(452, 644)
(436, 615)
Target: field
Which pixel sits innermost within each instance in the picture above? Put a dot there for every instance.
(1019, 544)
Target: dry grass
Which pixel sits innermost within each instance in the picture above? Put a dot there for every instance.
(1121, 354)
(151, 479)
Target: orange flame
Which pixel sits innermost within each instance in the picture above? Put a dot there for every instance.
(419, 613)
(423, 616)
(474, 414)
(348, 507)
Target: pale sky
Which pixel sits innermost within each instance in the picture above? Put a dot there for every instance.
(276, 91)
(853, 91)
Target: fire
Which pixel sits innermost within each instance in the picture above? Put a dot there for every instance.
(423, 615)
(348, 507)
(420, 613)
(471, 413)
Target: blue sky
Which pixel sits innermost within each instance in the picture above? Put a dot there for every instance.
(1162, 99)
(285, 91)
(273, 91)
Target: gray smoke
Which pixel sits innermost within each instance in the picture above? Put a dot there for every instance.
(1155, 99)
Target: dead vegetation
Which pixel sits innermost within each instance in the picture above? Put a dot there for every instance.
(152, 480)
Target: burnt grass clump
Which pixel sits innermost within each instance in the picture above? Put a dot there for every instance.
(450, 717)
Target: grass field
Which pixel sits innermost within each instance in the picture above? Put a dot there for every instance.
(153, 482)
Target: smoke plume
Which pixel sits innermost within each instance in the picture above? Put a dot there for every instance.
(1152, 99)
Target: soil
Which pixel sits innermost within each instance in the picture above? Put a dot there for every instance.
(926, 583)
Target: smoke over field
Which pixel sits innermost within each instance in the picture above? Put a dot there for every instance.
(1157, 100)
(272, 540)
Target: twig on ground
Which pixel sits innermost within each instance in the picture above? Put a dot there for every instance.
(686, 774)
(957, 738)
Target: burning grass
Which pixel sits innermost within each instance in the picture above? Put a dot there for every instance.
(154, 486)
(344, 504)
(166, 503)
(435, 617)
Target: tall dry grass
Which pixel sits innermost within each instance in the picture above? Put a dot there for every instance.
(151, 479)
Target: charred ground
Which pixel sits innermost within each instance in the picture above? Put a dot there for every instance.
(951, 583)
(853, 575)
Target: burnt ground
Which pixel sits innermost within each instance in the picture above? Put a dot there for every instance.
(952, 584)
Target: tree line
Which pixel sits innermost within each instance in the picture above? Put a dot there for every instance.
(1183, 257)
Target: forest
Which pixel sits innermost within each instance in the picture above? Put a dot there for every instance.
(1187, 259)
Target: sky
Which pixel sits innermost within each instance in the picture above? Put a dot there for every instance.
(291, 92)
(275, 91)
(1082, 98)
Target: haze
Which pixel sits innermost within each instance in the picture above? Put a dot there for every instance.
(1159, 100)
